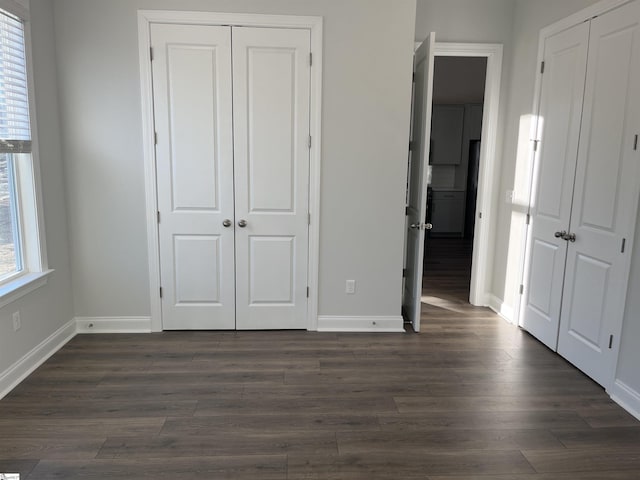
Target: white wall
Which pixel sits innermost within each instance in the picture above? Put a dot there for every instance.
(368, 48)
(47, 309)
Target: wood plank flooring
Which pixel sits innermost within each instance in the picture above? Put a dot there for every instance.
(469, 398)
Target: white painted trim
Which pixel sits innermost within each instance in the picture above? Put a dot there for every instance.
(20, 370)
(626, 397)
(15, 8)
(113, 324)
(361, 324)
(481, 270)
(581, 16)
(315, 26)
(501, 308)
(21, 286)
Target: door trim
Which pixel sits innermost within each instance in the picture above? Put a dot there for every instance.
(315, 25)
(583, 15)
(481, 270)
(571, 21)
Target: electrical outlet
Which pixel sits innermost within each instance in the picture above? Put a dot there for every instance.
(16, 321)
(351, 287)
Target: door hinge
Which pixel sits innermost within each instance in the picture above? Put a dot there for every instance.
(404, 273)
(624, 244)
(308, 290)
(309, 142)
(535, 145)
(310, 59)
(480, 215)
(521, 289)
(411, 146)
(542, 67)
(151, 54)
(158, 216)
(160, 292)
(155, 138)
(406, 211)
(309, 218)
(528, 219)
(413, 77)
(635, 143)
(610, 341)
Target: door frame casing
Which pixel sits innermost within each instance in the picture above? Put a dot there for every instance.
(581, 16)
(532, 154)
(315, 25)
(481, 270)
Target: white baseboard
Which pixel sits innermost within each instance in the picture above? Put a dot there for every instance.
(113, 324)
(505, 311)
(20, 370)
(360, 324)
(626, 397)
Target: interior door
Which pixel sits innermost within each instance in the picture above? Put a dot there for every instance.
(565, 57)
(417, 184)
(606, 197)
(271, 88)
(194, 155)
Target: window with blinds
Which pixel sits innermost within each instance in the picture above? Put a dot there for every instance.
(15, 141)
(15, 130)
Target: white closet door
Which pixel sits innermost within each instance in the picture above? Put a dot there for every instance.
(194, 154)
(565, 57)
(271, 82)
(606, 196)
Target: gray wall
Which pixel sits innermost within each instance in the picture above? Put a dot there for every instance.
(368, 48)
(474, 21)
(48, 308)
(529, 18)
(629, 358)
(481, 21)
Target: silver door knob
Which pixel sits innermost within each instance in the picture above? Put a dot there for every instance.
(226, 223)
(571, 237)
(242, 223)
(561, 234)
(414, 226)
(428, 226)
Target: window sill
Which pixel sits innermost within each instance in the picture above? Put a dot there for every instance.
(24, 284)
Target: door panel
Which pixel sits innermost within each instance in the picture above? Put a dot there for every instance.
(591, 275)
(418, 168)
(541, 297)
(271, 82)
(271, 270)
(606, 196)
(194, 155)
(195, 181)
(565, 56)
(196, 257)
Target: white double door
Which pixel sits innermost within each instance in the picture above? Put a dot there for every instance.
(232, 159)
(585, 203)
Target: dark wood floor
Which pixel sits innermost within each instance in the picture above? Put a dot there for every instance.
(469, 398)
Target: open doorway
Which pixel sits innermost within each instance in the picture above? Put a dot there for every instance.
(459, 86)
(419, 176)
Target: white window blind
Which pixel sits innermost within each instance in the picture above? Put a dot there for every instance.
(15, 130)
